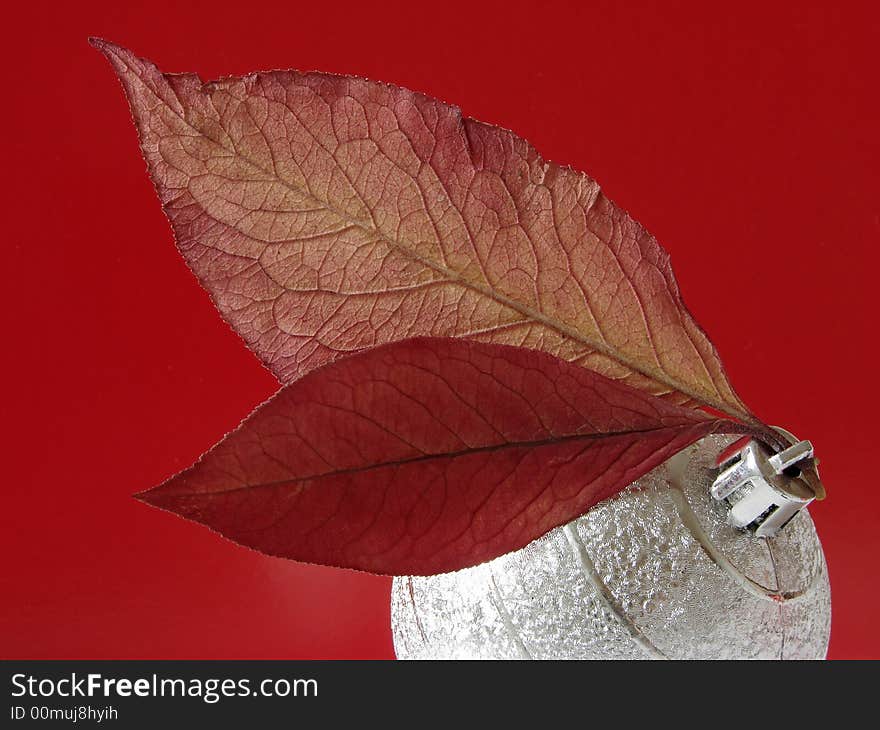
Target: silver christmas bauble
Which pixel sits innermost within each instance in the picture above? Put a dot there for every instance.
(655, 572)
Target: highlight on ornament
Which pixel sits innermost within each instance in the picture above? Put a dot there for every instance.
(490, 387)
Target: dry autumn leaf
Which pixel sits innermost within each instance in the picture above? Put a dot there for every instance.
(428, 455)
(326, 214)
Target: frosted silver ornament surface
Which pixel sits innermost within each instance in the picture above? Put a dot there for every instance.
(653, 573)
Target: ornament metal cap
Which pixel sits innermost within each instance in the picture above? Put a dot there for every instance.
(763, 490)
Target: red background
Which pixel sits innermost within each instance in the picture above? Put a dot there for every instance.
(746, 140)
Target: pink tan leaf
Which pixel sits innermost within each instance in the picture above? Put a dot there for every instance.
(326, 214)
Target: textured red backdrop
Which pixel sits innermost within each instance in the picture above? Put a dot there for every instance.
(746, 140)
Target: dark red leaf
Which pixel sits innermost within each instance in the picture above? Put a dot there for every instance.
(428, 455)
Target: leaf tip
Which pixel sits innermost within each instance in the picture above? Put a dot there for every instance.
(113, 52)
(146, 497)
(100, 44)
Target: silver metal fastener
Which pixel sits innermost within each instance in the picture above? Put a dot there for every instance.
(762, 489)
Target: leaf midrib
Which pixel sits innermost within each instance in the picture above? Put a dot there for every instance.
(710, 425)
